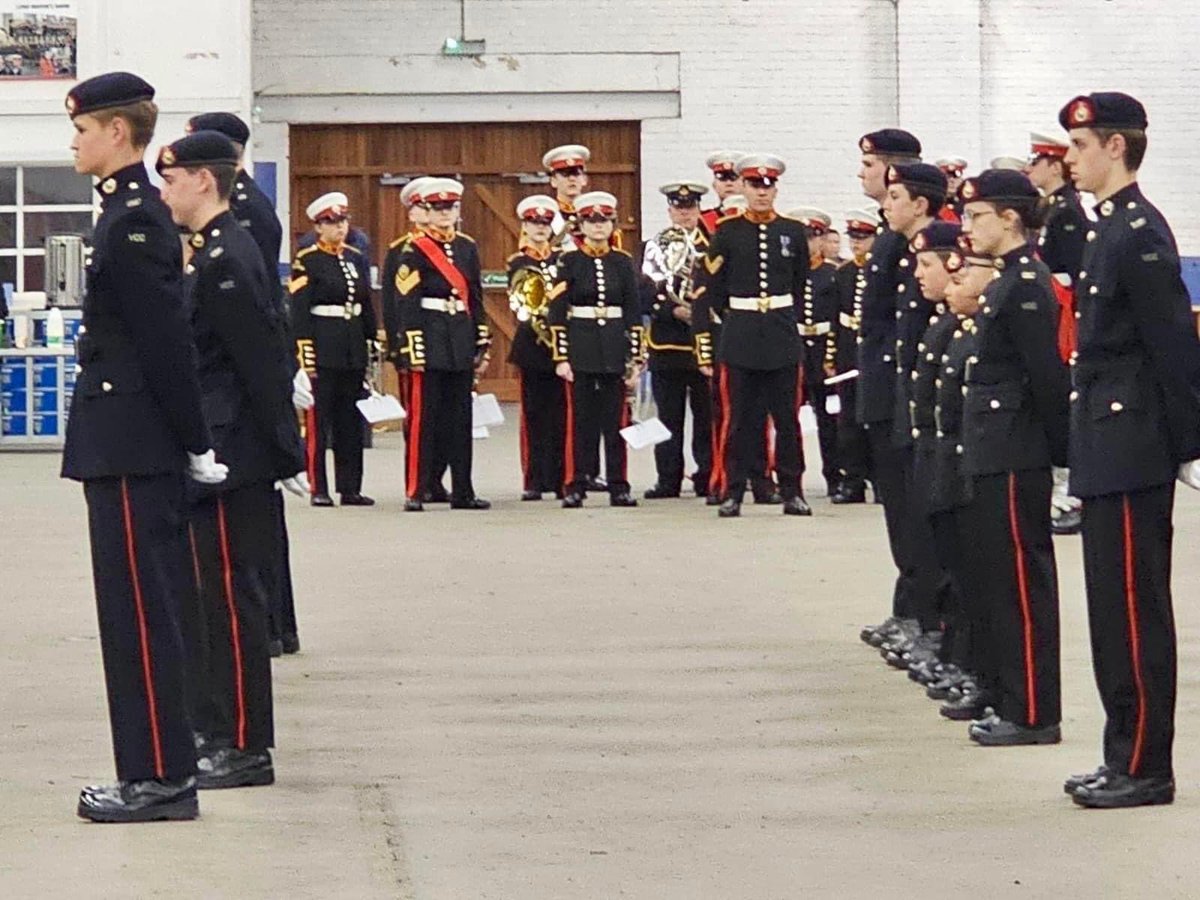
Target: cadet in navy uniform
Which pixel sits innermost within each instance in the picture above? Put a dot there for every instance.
(595, 317)
(334, 324)
(1135, 425)
(876, 388)
(674, 375)
(1061, 248)
(819, 338)
(1015, 427)
(446, 342)
(543, 393)
(854, 452)
(135, 428)
(755, 272)
(245, 371)
(255, 212)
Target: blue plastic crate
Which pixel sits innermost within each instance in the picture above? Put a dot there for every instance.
(14, 401)
(44, 401)
(12, 375)
(45, 425)
(13, 425)
(45, 373)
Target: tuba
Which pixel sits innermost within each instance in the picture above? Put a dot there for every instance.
(529, 298)
(676, 262)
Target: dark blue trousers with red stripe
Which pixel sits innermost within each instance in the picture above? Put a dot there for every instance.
(1127, 568)
(229, 659)
(1016, 586)
(137, 534)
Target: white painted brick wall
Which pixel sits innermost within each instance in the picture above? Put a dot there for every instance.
(805, 79)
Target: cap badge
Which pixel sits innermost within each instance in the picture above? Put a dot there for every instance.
(1106, 208)
(762, 170)
(1081, 111)
(109, 186)
(167, 156)
(919, 242)
(71, 104)
(197, 240)
(867, 145)
(968, 190)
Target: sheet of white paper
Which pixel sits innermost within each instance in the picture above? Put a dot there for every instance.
(833, 404)
(645, 434)
(808, 420)
(842, 376)
(480, 433)
(485, 411)
(381, 408)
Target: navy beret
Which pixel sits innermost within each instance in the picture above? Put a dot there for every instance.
(107, 91)
(999, 185)
(227, 123)
(203, 148)
(937, 236)
(890, 142)
(917, 176)
(1107, 109)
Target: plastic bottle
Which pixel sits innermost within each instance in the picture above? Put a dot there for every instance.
(54, 328)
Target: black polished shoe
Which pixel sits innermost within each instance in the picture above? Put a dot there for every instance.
(597, 484)
(1068, 522)
(531, 495)
(321, 500)
(1113, 791)
(795, 506)
(622, 499)
(768, 496)
(413, 505)
(471, 503)
(140, 801)
(572, 501)
(658, 492)
(436, 495)
(233, 768)
(970, 706)
(1074, 782)
(847, 493)
(275, 648)
(730, 509)
(291, 643)
(1002, 733)
(700, 487)
(712, 500)
(357, 500)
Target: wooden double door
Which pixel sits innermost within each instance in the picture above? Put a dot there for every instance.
(498, 164)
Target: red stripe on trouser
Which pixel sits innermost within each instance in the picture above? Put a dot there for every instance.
(524, 436)
(714, 440)
(769, 438)
(625, 416)
(413, 488)
(569, 448)
(1135, 637)
(310, 445)
(235, 631)
(143, 632)
(1023, 593)
(725, 418)
(195, 558)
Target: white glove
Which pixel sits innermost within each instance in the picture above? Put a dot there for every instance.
(302, 395)
(297, 484)
(1189, 474)
(205, 469)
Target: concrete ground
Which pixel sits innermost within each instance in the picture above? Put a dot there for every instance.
(539, 704)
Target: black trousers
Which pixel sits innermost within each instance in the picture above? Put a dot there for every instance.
(233, 537)
(853, 446)
(957, 639)
(815, 394)
(1018, 584)
(976, 650)
(337, 420)
(920, 578)
(718, 479)
(440, 417)
(596, 410)
(753, 394)
(674, 390)
(137, 531)
(543, 420)
(1127, 568)
(282, 619)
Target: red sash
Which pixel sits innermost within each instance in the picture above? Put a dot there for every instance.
(433, 252)
(1067, 331)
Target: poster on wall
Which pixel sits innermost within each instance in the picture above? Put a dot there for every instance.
(37, 39)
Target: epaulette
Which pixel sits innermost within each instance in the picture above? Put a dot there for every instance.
(729, 218)
(513, 256)
(400, 240)
(352, 249)
(307, 250)
(463, 234)
(622, 251)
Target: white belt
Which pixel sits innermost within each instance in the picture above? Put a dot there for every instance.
(815, 330)
(761, 304)
(848, 321)
(441, 304)
(595, 312)
(342, 311)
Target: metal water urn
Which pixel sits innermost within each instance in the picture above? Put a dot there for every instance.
(65, 269)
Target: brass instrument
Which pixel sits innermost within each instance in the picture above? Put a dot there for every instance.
(676, 261)
(529, 298)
